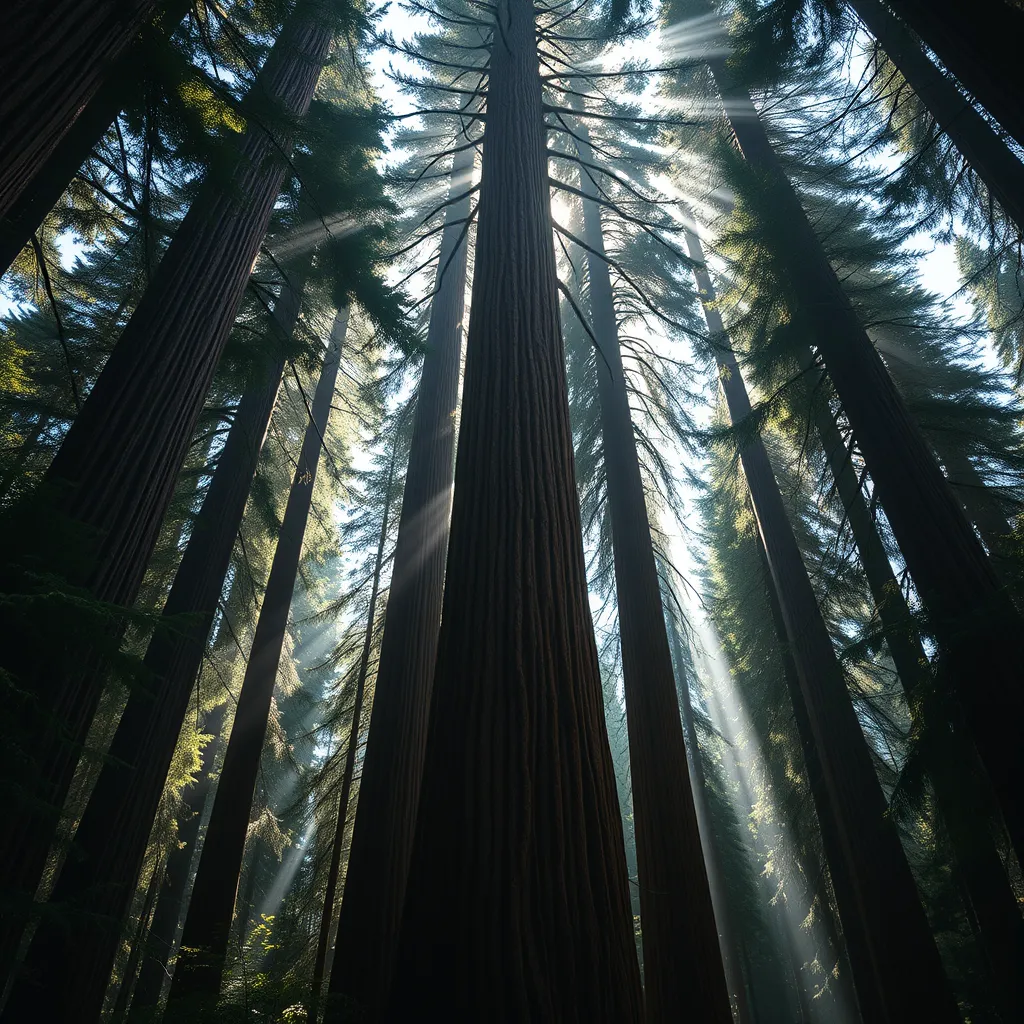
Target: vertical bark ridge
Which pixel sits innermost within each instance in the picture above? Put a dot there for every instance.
(204, 940)
(902, 977)
(516, 907)
(683, 971)
(382, 834)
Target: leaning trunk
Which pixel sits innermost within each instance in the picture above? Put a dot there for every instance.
(97, 516)
(204, 941)
(389, 787)
(899, 975)
(970, 613)
(683, 971)
(66, 972)
(517, 905)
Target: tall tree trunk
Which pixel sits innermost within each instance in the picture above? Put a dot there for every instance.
(52, 177)
(393, 763)
(901, 977)
(163, 933)
(334, 868)
(683, 971)
(517, 905)
(95, 520)
(126, 988)
(67, 972)
(980, 44)
(204, 940)
(970, 612)
(990, 157)
(56, 56)
(948, 754)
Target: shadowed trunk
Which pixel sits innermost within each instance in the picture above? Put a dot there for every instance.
(204, 940)
(126, 989)
(94, 521)
(66, 972)
(899, 975)
(970, 612)
(990, 157)
(683, 971)
(334, 869)
(56, 56)
(163, 934)
(517, 906)
(393, 763)
(52, 177)
(980, 44)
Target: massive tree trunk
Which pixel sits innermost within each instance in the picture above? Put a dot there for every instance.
(95, 519)
(948, 754)
(53, 175)
(163, 933)
(901, 976)
(55, 57)
(517, 906)
(389, 787)
(980, 44)
(66, 972)
(334, 868)
(970, 613)
(683, 971)
(993, 161)
(204, 940)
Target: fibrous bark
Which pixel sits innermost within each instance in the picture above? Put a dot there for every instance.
(94, 521)
(204, 939)
(516, 906)
(897, 970)
(389, 786)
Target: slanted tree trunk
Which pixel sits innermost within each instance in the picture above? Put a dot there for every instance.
(95, 519)
(980, 44)
(389, 786)
(970, 612)
(899, 975)
(334, 868)
(204, 940)
(56, 56)
(683, 971)
(163, 933)
(53, 175)
(66, 971)
(990, 157)
(126, 988)
(517, 906)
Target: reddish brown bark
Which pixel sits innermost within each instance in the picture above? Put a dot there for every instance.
(389, 786)
(204, 940)
(517, 906)
(897, 971)
(97, 516)
(683, 972)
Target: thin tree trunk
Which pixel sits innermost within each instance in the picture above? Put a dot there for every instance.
(980, 44)
(382, 833)
(334, 869)
(56, 56)
(990, 157)
(683, 971)
(163, 933)
(52, 177)
(970, 612)
(131, 969)
(204, 940)
(979, 503)
(97, 516)
(66, 972)
(517, 906)
(901, 976)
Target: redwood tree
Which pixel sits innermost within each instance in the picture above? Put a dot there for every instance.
(516, 906)
(204, 940)
(94, 521)
(389, 785)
